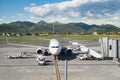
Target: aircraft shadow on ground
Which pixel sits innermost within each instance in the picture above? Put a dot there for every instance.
(68, 57)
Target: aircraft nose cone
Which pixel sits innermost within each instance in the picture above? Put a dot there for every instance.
(55, 51)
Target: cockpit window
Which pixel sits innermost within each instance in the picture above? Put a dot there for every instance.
(55, 46)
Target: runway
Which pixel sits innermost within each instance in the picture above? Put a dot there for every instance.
(28, 69)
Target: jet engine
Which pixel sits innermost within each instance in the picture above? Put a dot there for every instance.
(69, 51)
(66, 50)
(39, 51)
(42, 51)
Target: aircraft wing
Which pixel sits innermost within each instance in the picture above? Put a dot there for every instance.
(25, 45)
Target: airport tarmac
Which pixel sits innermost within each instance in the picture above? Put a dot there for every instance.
(28, 69)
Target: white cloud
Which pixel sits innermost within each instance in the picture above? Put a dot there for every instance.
(32, 4)
(111, 19)
(57, 19)
(13, 17)
(73, 14)
(85, 1)
(20, 14)
(4, 17)
(89, 11)
(1, 19)
(33, 17)
(57, 8)
(89, 14)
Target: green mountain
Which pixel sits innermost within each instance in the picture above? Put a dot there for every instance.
(72, 27)
(17, 26)
(43, 26)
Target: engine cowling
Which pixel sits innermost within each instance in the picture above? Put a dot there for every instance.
(39, 51)
(69, 51)
(42, 51)
(66, 51)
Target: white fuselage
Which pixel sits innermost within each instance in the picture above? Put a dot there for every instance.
(54, 47)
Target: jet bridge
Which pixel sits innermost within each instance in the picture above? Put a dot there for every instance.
(110, 48)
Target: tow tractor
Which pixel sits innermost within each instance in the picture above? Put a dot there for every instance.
(41, 60)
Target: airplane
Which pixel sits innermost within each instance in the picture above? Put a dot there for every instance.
(55, 48)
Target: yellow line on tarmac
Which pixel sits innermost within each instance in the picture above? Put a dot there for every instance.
(57, 68)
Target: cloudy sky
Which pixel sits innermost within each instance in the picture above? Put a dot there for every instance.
(64, 11)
